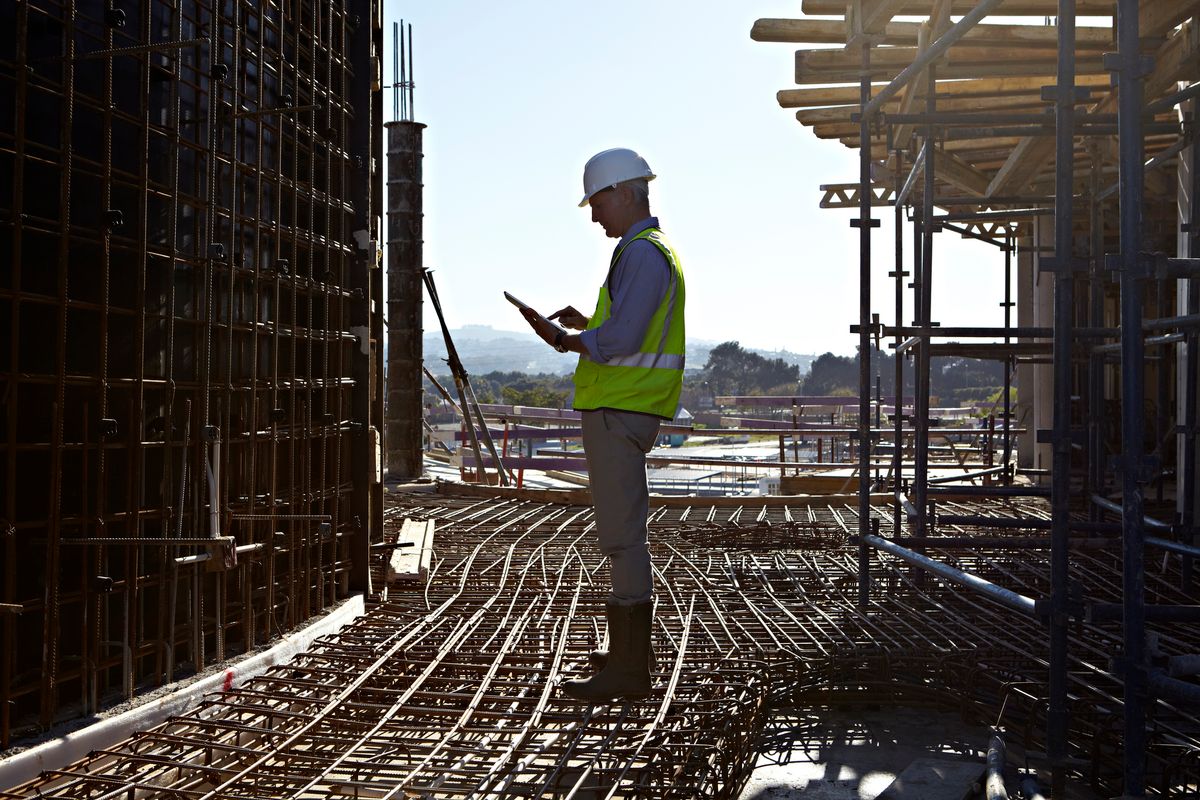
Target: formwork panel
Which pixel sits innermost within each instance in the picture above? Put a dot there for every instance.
(182, 185)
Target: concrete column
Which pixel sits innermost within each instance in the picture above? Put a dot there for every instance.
(1034, 407)
(403, 430)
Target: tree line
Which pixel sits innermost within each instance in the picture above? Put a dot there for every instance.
(733, 370)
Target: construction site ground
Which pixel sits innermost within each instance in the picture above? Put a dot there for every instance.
(772, 680)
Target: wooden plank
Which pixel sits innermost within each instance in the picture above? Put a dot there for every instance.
(979, 88)
(1159, 17)
(1031, 8)
(893, 59)
(936, 779)
(1026, 160)
(904, 34)
(813, 116)
(887, 62)
(951, 72)
(959, 70)
(1172, 61)
(872, 16)
(412, 563)
(919, 87)
(957, 172)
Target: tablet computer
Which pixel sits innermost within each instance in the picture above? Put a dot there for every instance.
(524, 306)
(515, 301)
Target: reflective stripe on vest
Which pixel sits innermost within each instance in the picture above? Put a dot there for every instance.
(650, 380)
(661, 360)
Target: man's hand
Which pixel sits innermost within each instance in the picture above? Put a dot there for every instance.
(570, 318)
(541, 327)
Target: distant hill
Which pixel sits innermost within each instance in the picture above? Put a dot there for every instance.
(484, 349)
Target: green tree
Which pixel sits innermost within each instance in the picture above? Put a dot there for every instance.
(731, 369)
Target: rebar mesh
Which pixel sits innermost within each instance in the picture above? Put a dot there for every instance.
(187, 184)
(447, 689)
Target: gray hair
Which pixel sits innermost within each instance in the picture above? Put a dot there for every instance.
(640, 187)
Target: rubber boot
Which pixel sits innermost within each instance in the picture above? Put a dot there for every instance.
(598, 658)
(627, 672)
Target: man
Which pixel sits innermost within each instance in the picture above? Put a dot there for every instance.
(628, 380)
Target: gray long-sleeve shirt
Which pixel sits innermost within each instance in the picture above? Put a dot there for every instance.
(637, 284)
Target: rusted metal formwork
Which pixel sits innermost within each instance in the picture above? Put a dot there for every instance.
(189, 380)
(404, 435)
(446, 689)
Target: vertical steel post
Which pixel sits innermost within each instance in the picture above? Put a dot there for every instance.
(1133, 457)
(1064, 309)
(1186, 485)
(898, 390)
(1009, 244)
(864, 332)
(1095, 408)
(924, 299)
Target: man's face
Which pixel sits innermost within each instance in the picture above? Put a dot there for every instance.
(608, 211)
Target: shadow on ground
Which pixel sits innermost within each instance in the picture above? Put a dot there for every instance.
(853, 755)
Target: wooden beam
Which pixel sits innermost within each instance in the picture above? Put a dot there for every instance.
(981, 88)
(1026, 159)
(814, 116)
(872, 16)
(1026, 8)
(1160, 16)
(904, 34)
(956, 70)
(956, 172)
(890, 60)
(1173, 59)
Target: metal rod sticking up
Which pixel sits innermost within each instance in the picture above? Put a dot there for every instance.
(402, 73)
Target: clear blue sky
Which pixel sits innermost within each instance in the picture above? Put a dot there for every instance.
(518, 95)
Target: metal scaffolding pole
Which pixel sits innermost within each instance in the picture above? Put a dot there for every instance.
(899, 274)
(1191, 371)
(1134, 465)
(864, 224)
(923, 296)
(1009, 245)
(1095, 370)
(1064, 308)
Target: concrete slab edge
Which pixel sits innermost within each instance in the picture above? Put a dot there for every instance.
(69, 748)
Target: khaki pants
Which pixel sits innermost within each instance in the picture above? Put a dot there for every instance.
(616, 444)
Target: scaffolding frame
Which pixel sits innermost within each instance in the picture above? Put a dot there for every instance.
(983, 141)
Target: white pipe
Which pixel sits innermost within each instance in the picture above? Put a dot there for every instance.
(214, 475)
(64, 750)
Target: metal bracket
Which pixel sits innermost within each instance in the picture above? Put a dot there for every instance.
(1080, 94)
(857, 223)
(1117, 63)
(1145, 468)
(1059, 266)
(1146, 264)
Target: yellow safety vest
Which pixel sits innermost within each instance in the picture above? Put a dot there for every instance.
(649, 380)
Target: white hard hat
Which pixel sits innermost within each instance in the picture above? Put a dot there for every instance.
(610, 167)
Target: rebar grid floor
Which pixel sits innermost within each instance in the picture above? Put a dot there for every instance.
(449, 689)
